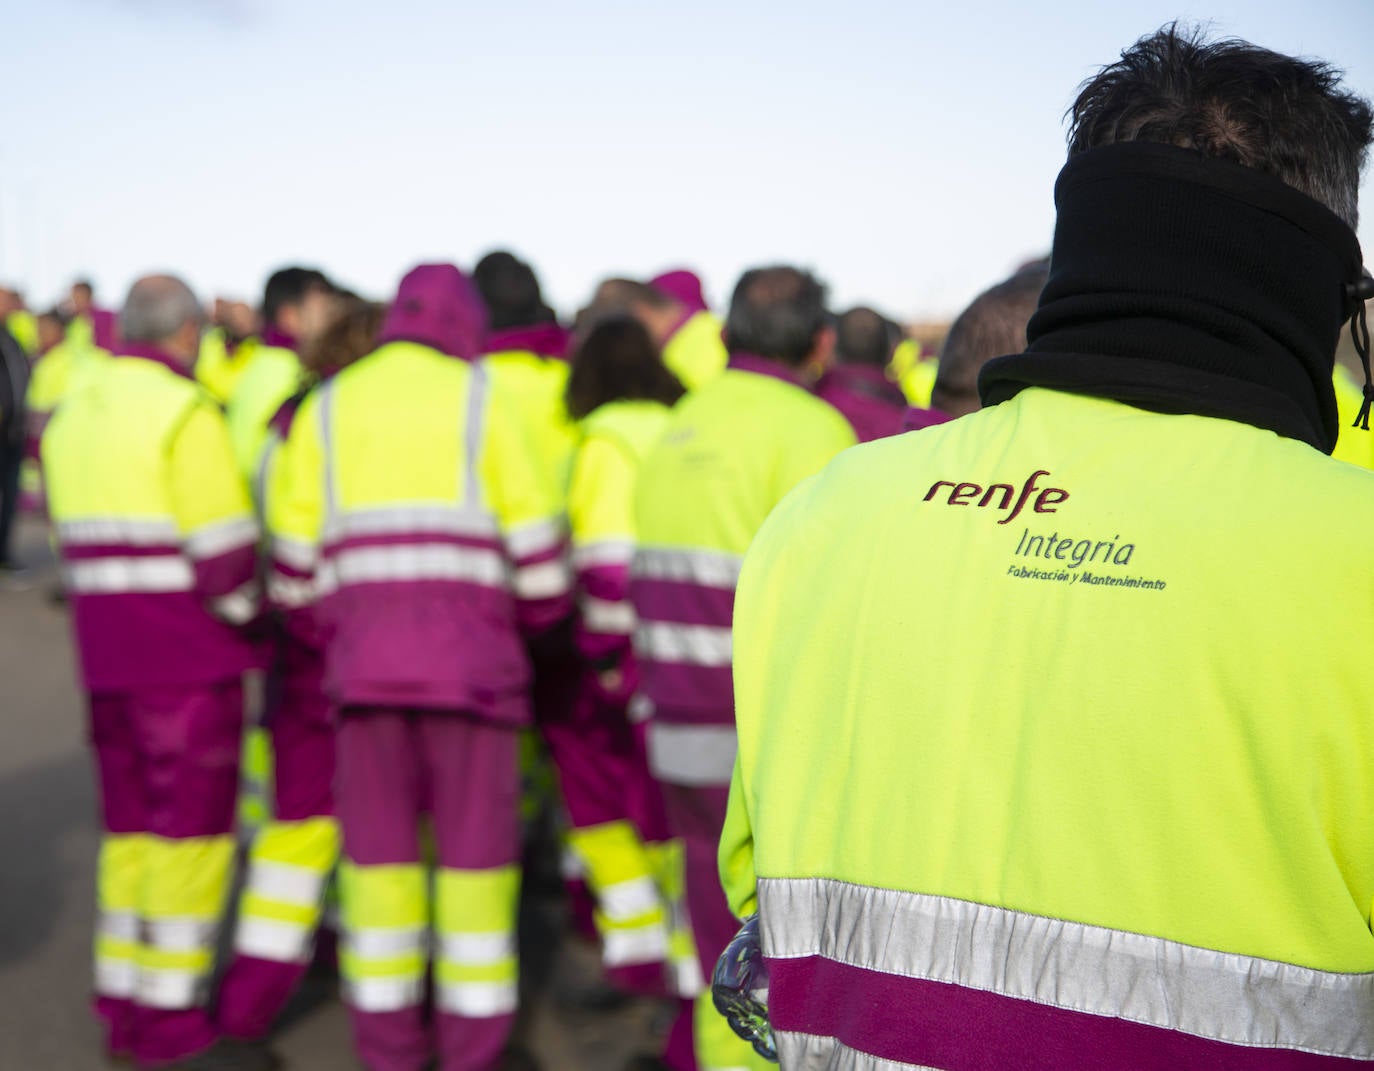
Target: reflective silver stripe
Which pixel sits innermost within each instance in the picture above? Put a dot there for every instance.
(180, 934)
(1242, 1000)
(477, 949)
(603, 552)
(169, 990)
(284, 883)
(709, 568)
(537, 537)
(612, 618)
(640, 709)
(384, 994)
(570, 865)
(119, 531)
(215, 539)
(387, 943)
(476, 1000)
(331, 495)
(118, 925)
(411, 519)
(112, 576)
(629, 899)
(699, 755)
(473, 429)
(547, 580)
(295, 553)
(115, 977)
(637, 944)
(239, 606)
(807, 1052)
(695, 645)
(687, 979)
(290, 592)
(273, 939)
(419, 561)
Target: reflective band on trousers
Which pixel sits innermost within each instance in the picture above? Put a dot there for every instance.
(805, 1052)
(115, 977)
(476, 1000)
(693, 645)
(611, 618)
(286, 883)
(117, 576)
(698, 755)
(169, 990)
(1242, 1000)
(384, 994)
(477, 949)
(420, 561)
(709, 568)
(273, 939)
(634, 944)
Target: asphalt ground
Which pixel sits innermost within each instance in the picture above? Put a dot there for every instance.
(48, 842)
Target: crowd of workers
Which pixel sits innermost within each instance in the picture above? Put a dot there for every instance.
(446, 526)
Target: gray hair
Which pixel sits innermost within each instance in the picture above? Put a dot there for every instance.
(158, 306)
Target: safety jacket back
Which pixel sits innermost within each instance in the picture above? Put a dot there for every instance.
(731, 451)
(1118, 811)
(695, 352)
(272, 375)
(154, 527)
(413, 513)
(616, 438)
(218, 367)
(538, 383)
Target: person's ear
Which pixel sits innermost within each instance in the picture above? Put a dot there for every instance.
(821, 355)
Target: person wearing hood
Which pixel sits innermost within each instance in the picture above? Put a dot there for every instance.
(417, 520)
(673, 309)
(1118, 813)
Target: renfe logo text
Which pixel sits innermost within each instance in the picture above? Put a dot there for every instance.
(972, 494)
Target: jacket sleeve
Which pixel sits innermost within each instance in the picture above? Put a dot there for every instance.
(736, 858)
(600, 520)
(293, 505)
(528, 506)
(214, 516)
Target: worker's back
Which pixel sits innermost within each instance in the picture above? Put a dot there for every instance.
(1086, 689)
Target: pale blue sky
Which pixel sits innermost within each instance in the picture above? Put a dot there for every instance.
(905, 151)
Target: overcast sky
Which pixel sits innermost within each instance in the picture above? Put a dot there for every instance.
(906, 151)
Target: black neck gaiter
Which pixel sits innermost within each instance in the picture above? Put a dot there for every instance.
(1180, 283)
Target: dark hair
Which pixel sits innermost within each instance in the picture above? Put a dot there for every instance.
(289, 286)
(616, 360)
(622, 295)
(863, 336)
(992, 326)
(83, 284)
(350, 335)
(1283, 116)
(511, 292)
(776, 312)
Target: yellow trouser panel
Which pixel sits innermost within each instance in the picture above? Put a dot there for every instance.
(386, 928)
(185, 883)
(475, 972)
(255, 781)
(669, 862)
(283, 897)
(119, 881)
(630, 914)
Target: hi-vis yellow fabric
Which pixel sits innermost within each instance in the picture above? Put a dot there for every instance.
(615, 440)
(538, 385)
(1142, 699)
(272, 375)
(217, 369)
(1354, 444)
(695, 352)
(915, 372)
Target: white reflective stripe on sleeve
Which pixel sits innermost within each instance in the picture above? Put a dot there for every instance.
(477, 949)
(115, 576)
(384, 994)
(809, 1051)
(284, 883)
(1225, 997)
(634, 944)
(326, 411)
(118, 925)
(295, 553)
(640, 709)
(273, 939)
(630, 899)
(387, 943)
(115, 977)
(709, 568)
(570, 865)
(537, 537)
(546, 580)
(612, 618)
(180, 934)
(474, 431)
(119, 531)
(693, 645)
(699, 755)
(169, 990)
(215, 539)
(422, 561)
(476, 1000)
(412, 519)
(290, 592)
(239, 606)
(603, 552)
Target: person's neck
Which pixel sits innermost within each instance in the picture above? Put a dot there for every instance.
(1185, 284)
